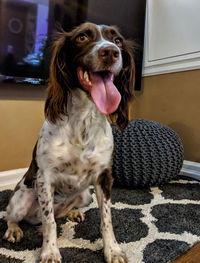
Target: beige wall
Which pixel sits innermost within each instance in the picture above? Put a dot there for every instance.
(172, 99)
(21, 117)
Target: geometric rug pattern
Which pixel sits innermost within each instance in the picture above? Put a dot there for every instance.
(152, 225)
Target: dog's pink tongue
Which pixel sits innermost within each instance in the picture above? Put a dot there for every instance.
(104, 93)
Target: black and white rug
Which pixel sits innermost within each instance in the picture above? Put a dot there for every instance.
(152, 226)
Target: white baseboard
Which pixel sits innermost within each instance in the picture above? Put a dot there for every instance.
(191, 169)
(9, 179)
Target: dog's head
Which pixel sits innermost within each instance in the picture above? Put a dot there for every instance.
(98, 60)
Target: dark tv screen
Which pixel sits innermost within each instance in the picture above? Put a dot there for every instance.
(27, 29)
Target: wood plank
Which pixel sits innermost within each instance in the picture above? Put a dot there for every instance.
(191, 256)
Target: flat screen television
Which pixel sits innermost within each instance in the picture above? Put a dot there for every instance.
(27, 29)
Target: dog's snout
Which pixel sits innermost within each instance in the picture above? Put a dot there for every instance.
(109, 54)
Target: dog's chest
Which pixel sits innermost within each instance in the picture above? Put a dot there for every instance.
(75, 156)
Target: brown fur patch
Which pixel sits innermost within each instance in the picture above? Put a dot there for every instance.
(30, 175)
(105, 180)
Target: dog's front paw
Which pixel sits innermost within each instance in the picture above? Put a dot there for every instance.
(75, 216)
(14, 233)
(115, 256)
(50, 255)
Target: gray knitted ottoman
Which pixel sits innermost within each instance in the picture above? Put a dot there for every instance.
(147, 153)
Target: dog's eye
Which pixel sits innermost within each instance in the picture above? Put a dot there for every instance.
(81, 38)
(118, 41)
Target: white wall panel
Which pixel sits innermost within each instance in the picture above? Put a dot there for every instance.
(172, 39)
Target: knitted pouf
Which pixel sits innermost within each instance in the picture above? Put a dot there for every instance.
(146, 153)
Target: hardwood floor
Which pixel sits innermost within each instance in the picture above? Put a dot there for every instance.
(191, 256)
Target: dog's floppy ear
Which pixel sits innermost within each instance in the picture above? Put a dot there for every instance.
(59, 84)
(125, 83)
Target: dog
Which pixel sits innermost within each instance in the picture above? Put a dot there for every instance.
(91, 78)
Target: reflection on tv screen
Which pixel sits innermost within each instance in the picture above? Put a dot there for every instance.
(27, 28)
(23, 39)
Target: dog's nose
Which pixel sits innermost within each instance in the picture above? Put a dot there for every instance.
(109, 54)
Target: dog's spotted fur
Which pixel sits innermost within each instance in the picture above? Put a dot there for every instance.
(75, 144)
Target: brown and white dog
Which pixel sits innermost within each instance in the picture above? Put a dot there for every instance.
(91, 76)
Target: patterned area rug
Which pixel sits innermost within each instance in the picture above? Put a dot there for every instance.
(153, 226)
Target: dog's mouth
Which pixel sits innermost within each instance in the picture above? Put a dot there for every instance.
(101, 88)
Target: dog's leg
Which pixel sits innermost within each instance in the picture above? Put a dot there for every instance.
(62, 210)
(50, 251)
(18, 207)
(112, 251)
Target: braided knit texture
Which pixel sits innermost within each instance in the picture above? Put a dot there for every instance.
(147, 153)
